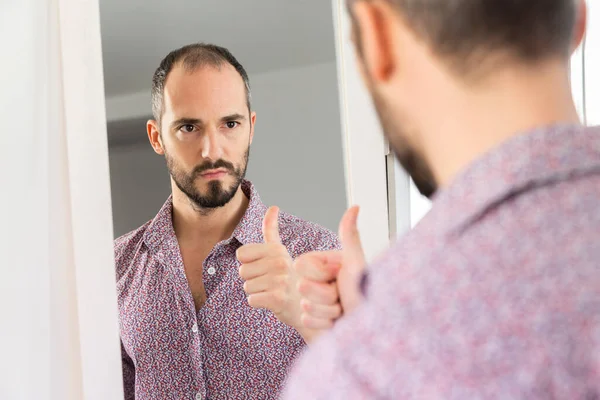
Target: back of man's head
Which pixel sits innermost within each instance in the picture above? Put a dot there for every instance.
(464, 32)
(451, 79)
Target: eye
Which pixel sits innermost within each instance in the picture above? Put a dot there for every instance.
(232, 124)
(187, 128)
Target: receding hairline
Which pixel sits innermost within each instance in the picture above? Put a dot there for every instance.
(193, 68)
(199, 58)
(193, 58)
(189, 70)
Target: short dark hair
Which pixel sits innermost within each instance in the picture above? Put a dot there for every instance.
(463, 32)
(193, 56)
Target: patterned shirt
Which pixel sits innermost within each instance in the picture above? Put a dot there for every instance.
(494, 295)
(226, 350)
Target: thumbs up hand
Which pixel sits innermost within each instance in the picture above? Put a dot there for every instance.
(329, 281)
(353, 261)
(270, 280)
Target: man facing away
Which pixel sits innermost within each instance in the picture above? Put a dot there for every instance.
(208, 302)
(495, 294)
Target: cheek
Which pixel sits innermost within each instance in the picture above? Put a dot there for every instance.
(236, 149)
(182, 157)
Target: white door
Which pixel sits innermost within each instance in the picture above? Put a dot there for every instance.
(587, 76)
(364, 147)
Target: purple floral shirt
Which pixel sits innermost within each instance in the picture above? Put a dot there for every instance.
(226, 350)
(494, 295)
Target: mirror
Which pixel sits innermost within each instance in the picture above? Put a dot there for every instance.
(206, 309)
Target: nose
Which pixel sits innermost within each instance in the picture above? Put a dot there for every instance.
(211, 145)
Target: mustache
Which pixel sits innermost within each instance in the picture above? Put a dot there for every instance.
(208, 165)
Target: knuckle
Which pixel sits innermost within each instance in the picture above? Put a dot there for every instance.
(301, 287)
(337, 314)
(333, 290)
(282, 282)
(278, 299)
(282, 263)
(276, 249)
(298, 265)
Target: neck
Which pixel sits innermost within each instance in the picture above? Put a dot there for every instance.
(212, 225)
(477, 121)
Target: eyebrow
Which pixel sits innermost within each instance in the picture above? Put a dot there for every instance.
(196, 121)
(186, 121)
(233, 117)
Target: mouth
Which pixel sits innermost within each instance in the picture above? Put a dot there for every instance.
(214, 174)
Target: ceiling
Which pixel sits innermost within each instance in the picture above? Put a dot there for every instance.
(264, 35)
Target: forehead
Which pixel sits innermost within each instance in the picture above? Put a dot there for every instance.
(204, 92)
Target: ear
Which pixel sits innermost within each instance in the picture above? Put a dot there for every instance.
(154, 136)
(580, 25)
(374, 25)
(252, 123)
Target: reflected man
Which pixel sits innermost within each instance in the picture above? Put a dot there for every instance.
(208, 301)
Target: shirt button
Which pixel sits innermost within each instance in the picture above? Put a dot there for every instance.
(195, 328)
(212, 270)
(198, 396)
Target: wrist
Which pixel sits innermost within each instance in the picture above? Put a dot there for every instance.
(309, 335)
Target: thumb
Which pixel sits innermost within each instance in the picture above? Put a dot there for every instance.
(271, 226)
(352, 247)
(353, 260)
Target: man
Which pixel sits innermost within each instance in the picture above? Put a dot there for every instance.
(207, 296)
(496, 293)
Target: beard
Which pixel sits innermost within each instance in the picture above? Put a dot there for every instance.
(217, 193)
(407, 155)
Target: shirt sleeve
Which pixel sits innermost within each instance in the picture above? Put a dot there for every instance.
(325, 241)
(326, 371)
(445, 332)
(388, 348)
(128, 375)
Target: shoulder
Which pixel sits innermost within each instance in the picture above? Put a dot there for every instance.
(126, 247)
(129, 240)
(304, 236)
(355, 360)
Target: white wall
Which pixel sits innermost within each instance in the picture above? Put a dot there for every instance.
(295, 159)
(59, 335)
(139, 185)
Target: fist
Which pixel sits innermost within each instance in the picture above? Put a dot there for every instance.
(317, 283)
(328, 281)
(269, 279)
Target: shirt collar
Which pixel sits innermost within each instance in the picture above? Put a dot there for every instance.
(529, 160)
(160, 228)
(249, 230)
